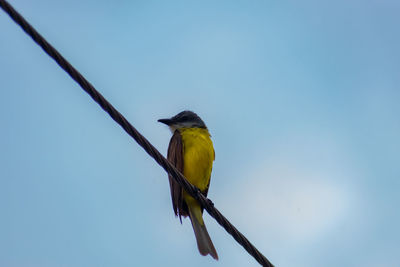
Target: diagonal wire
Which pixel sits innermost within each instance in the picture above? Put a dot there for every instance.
(140, 139)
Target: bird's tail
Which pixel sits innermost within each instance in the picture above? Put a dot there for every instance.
(203, 239)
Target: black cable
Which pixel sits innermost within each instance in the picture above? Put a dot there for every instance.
(140, 139)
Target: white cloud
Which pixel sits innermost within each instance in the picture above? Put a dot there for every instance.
(297, 206)
(292, 202)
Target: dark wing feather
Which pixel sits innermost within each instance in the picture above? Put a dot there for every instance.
(175, 156)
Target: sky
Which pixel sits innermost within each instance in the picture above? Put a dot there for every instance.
(301, 99)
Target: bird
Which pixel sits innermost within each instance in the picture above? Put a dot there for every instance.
(191, 151)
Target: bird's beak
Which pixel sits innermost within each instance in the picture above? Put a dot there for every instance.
(166, 121)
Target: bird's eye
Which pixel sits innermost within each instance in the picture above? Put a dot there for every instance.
(184, 118)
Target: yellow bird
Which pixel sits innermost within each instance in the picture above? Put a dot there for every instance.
(191, 151)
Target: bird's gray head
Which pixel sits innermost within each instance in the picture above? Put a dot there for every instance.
(184, 119)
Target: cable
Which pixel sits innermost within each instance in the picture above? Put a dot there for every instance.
(140, 139)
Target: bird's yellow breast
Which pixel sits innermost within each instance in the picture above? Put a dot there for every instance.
(198, 156)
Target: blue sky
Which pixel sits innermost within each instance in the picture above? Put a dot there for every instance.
(301, 99)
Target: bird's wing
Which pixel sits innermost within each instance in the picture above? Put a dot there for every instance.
(175, 156)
